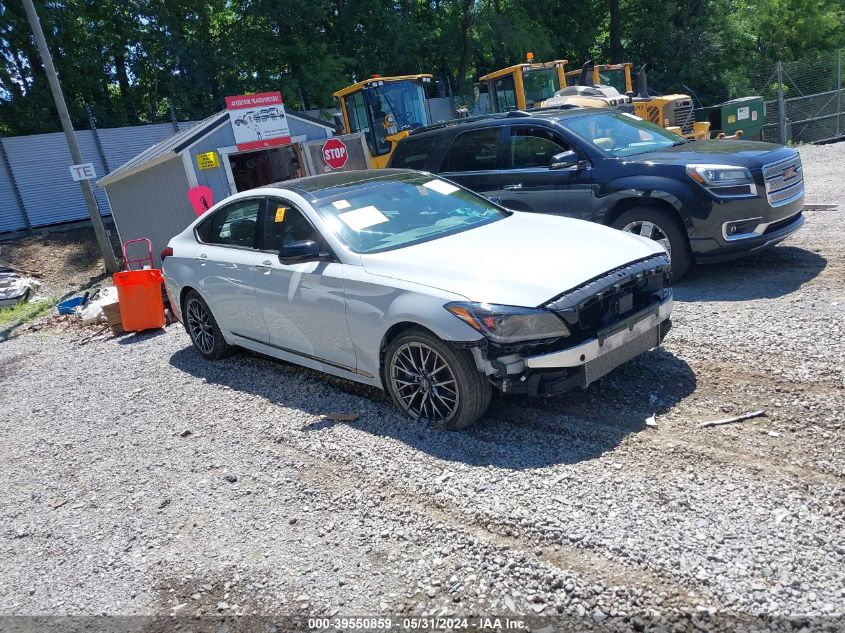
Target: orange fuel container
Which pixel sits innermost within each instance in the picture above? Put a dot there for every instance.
(139, 296)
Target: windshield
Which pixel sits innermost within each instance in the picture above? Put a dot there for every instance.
(405, 100)
(621, 134)
(383, 215)
(539, 85)
(614, 78)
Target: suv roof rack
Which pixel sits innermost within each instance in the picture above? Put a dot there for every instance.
(510, 114)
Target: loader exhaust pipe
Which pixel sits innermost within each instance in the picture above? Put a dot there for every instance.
(584, 78)
(642, 84)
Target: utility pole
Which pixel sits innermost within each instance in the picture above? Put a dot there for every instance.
(67, 126)
(781, 106)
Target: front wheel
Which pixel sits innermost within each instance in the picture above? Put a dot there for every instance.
(430, 380)
(664, 229)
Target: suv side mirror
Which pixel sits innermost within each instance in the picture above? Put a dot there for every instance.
(564, 160)
(299, 252)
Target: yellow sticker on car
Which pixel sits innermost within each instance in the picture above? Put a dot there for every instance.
(280, 214)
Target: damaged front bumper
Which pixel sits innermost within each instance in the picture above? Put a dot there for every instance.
(583, 363)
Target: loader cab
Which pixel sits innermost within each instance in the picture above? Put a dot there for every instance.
(384, 110)
(523, 86)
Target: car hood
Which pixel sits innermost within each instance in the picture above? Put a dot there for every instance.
(522, 260)
(743, 153)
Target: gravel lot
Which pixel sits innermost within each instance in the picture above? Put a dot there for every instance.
(140, 479)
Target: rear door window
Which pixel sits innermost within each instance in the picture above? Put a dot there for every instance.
(233, 225)
(476, 150)
(413, 153)
(533, 147)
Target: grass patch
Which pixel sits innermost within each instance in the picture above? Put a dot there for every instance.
(25, 311)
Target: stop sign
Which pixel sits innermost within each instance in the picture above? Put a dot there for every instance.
(334, 153)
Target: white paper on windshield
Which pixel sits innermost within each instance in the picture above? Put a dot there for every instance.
(341, 204)
(363, 218)
(631, 116)
(440, 187)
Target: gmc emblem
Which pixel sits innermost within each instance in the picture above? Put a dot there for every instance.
(789, 172)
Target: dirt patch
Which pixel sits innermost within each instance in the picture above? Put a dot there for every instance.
(62, 260)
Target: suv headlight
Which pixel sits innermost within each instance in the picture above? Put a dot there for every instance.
(509, 324)
(719, 175)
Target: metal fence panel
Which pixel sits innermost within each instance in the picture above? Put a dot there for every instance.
(123, 143)
(40, 167)
(11, 218)
(813, 99)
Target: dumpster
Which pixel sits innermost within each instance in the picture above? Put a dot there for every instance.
(747, 114)
(139, 297)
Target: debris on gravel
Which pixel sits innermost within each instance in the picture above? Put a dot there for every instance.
(608, 506)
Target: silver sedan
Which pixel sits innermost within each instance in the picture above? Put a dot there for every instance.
(408, 282)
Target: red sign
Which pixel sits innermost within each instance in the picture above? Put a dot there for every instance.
(334, 153)
(200, 198)
(258, 120)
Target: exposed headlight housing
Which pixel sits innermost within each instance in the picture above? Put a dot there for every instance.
(719, 175)
(509, 324)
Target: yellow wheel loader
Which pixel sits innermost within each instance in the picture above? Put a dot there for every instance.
(582, 89)
(524, 86)
(384, 110)
(673, 112)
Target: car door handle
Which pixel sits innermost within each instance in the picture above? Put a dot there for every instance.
(266, 265)
(515, 187)
(203, 258)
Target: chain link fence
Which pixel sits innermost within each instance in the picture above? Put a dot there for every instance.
(805, 99)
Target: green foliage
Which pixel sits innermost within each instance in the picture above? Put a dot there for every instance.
(25, 312)
(132, 61)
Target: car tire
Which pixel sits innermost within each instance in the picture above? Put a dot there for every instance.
(664, 228)
(451, 398)
(203, 329)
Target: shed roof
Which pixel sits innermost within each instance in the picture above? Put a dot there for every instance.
(182, 140)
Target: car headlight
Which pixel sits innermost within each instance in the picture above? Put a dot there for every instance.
(719, 175)
(509, 324)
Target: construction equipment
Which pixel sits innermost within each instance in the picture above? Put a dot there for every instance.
(588, 93)
(616, 76)
(542, 85)
(673, 112)
(524, 86)
(384, 110)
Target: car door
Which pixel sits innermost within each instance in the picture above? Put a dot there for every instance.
(474, 160)
(302, 305)
(529, 184)
(224, 266)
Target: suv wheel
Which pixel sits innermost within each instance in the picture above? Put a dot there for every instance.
(203, 329)
(664, 229)
(430, 380)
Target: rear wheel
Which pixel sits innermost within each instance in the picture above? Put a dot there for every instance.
(203, 329)
(664, 229)
(430, 380)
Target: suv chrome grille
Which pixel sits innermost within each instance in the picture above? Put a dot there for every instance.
(784, 180)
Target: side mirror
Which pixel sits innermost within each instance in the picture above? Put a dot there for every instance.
(564, 160)
(299, 252)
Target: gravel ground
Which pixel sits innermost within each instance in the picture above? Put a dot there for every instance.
(141, 479)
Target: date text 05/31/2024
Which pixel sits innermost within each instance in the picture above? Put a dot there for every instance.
(416, 624)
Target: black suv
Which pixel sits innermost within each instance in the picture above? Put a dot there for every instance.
(703, 200)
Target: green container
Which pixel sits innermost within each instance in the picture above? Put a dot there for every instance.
(746, 113)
